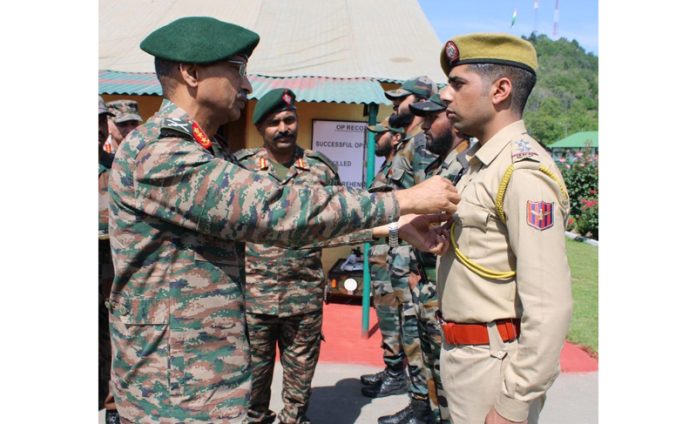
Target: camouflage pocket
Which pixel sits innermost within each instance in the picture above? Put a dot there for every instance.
(140, 333)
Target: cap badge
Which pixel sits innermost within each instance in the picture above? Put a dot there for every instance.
(287, 99)
(451, 51)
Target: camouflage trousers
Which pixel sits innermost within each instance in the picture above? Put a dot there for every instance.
(298, 339)
(425, 302)
(386, 306)
(402, 262)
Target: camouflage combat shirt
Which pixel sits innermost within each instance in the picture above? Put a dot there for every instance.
(177, 218)
(279, 281)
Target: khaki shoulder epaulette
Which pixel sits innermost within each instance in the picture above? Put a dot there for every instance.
(524, 156)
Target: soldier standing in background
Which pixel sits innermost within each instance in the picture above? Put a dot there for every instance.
(443, 140)
(411, 156)
(284, 286)
(125, 119)
(504, 283)
(393, 377)
(178, 216)
(106, 271)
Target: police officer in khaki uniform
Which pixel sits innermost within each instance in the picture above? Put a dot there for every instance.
(504, 283)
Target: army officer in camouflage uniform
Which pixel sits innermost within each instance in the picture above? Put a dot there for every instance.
(284, 287)
(178, 215)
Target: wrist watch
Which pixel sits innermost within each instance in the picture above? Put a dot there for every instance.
(393, 234)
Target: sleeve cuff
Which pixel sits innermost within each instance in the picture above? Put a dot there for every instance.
(512, 409)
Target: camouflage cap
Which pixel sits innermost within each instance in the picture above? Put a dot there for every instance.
(421, 86)
(384, 127)
(199, 39)
(434, 104)
(274, 101)
(502, 49)
(102, 107)
(124, 110)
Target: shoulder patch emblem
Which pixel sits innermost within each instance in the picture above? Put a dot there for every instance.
(540, 215)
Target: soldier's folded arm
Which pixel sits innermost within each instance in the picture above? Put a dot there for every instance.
(543, 285)
(179, 182)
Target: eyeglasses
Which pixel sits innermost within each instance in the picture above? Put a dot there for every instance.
(242, 66)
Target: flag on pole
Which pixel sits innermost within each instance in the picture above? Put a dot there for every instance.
(514, 17)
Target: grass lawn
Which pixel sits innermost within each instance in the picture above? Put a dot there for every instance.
(583, 269)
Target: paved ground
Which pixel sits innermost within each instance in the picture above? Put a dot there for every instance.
(336, 397)
(346, 354)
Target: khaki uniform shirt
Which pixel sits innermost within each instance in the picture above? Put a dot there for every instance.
(531, 241)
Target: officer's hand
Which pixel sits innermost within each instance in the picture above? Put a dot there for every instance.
(436, 194)
(494, 418)
(424, 232)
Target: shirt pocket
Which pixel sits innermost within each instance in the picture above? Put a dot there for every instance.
(471, 230)
(145, 357)
(397, 175)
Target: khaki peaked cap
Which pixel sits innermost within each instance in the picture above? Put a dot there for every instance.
(199, 39)
(501, 49)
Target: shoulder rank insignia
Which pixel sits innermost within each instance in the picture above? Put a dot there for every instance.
(263, 163)
(521, 150)
(200, 137)
(540, 215)
(176, 128)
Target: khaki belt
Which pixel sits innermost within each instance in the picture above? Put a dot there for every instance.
(477, 333)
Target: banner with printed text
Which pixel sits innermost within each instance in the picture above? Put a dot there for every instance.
(344, 142)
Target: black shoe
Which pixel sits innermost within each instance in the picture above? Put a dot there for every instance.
(417, 412)
(372, 379)
(112, 417)
(391, 385)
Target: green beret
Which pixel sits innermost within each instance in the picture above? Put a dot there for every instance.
(384, 127)
(274, 101)
(421, 86)
(199, 39)
(501, 49)
(124, 110)
(434, 104)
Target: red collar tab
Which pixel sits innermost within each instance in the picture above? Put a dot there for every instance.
(263, 163)
(200, 137)
(300, 163)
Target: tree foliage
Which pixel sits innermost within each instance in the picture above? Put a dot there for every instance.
(564, 100)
